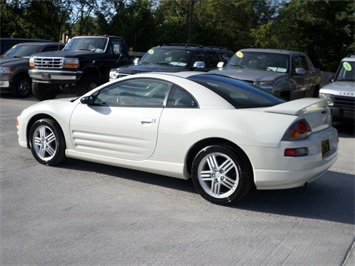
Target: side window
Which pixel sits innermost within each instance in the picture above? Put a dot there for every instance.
(295, 63)
(212, 58)
(180, 98)
(303, 62)
(143, 92)
(116, 41)
(199, 56)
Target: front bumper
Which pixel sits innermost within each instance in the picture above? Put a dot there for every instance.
(342, 114)
(55, 76)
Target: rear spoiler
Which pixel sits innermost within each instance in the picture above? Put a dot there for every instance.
(298, 107)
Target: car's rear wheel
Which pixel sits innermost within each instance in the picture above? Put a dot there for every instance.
(22, 86)
(221, 175)
(43, 91)
(47, 142)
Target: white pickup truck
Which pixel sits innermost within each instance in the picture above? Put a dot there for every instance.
(340, 92)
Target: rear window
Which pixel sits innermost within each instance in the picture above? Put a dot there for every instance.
(237, 93)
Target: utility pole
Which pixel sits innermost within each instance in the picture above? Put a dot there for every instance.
(189, 33)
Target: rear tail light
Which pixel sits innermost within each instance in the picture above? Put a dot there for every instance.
(300, 129)
(294, 152)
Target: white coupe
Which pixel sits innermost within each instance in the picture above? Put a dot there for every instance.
(226, 135)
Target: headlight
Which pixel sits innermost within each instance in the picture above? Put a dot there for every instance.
(328, 97)
(71, 63)
(31, 62)
(5, 70)
(267, 84)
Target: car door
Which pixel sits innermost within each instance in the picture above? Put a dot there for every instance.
(121, 121)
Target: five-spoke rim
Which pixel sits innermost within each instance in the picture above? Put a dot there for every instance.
(44, 143)
(218, 175)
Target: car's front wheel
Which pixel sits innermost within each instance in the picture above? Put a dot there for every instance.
(221, 175)
(22, 86)
(47, 142)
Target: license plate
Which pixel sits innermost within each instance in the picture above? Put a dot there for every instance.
(46, 76)
(325, 147)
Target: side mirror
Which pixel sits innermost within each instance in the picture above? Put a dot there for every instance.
(136, 61)
(117, 49)
(300, 71)
(87, 100)
(199, 64)
(220, 64)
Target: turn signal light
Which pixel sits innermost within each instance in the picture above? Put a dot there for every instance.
(298, 130)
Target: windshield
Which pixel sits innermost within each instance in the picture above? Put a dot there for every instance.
(237, 93)
(259, 60)
(97, 45)
(346, 71)
(24, 50)
(171, 57)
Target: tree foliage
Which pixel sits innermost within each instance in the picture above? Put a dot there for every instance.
(322, 29)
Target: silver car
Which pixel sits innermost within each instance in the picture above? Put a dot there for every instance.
(340, 93)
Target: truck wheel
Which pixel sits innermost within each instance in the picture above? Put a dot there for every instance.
(21, 87)
(86, 84)
(44, 91)
(221, 175)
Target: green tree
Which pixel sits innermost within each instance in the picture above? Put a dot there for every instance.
(322, 29)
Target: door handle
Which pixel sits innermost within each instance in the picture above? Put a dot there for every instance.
(147, 120)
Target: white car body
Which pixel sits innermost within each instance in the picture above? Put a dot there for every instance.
(158, 140)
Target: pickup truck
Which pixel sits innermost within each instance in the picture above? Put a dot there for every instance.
(83, 64)
(287, 74)
(14, 66)
(340, 92)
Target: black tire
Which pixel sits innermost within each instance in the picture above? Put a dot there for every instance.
(221, 175)
(21, 87)
(86, 84)
(44, 91)
(47, 142)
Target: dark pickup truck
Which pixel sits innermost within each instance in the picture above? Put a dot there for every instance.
(287, 74)
(83, 64)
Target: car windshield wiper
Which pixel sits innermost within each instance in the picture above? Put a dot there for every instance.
(146, 63)
(163, 64)
(237, 65)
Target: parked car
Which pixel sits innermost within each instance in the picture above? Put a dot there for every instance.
(83, 64)
(287, 74)
(226, 135)
(8, 43)
(340, 93)
(175, 58)
(14, 66)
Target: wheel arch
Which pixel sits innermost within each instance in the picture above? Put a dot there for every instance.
(197, 147)
(92, 71)
(36, 118)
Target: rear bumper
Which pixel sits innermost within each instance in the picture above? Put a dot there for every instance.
(276, 171)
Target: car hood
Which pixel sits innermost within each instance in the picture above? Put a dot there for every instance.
(134, 69)
(249, 74)
(343, 88)
(70, 53)
(11, 61)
